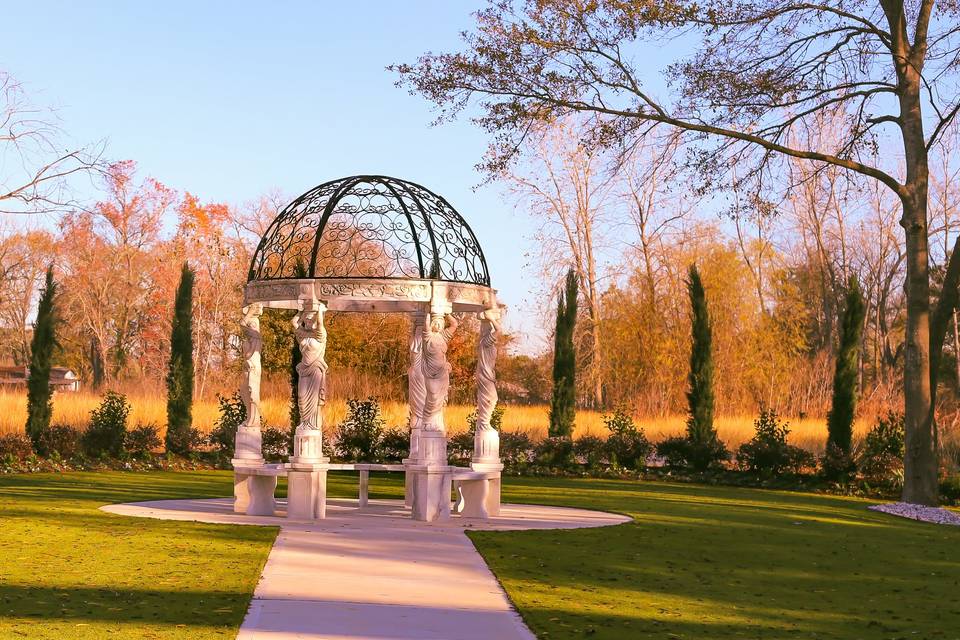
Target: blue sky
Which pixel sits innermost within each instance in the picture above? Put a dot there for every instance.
(230, 100)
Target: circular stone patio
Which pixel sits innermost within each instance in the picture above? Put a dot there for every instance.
(362, 573)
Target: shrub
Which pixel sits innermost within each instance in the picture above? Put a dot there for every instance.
(554, 453)
(515, 449)
(838, 464)
(590, 450)
(15, 447)
(950, 490)
(882, 456)
(142, 440)
(108, 426)
(496, 419)
(233, 413)
(395, 444)
(627, 446)
(358, 436)
(184, 441)
(62, 440)
(460, 447)
(679, 452)
(276, 443)
(768, 453)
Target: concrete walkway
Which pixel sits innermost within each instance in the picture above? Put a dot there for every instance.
(375, 573)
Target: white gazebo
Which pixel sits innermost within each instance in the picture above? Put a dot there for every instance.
(379, 245)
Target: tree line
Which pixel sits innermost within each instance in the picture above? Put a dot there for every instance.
(763, 84)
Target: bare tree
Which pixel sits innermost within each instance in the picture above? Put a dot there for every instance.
(35, 169)
(763, 68)
(565, 186)
(649, 175)
(24, 258)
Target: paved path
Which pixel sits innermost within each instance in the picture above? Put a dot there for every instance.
(376, 574)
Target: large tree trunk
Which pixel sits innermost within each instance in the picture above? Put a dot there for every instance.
(920, 459)
(920, 463)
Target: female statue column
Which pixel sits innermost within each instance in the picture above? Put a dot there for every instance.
(436, 369)
(432, 477)
(247, 446)
(252, 344)
(312, 386)
(416, 386)
(486, 443)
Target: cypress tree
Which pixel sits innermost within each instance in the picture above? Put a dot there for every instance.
(180, 371)
(843, 406)
(39, 395)
(563, 401)
(700, 396)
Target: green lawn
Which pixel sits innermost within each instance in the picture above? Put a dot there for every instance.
(721, 562)
(698, 562)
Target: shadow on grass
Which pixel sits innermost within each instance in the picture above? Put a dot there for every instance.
(190, 607)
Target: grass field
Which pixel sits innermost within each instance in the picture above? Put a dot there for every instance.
(697, 562)
(74, 409)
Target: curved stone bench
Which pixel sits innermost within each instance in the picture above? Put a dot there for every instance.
(254, 487)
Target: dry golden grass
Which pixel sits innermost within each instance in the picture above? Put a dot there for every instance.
(74, 409)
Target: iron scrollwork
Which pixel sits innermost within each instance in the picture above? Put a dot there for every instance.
(370, 227)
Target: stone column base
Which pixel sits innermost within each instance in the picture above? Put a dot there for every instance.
(432, 485)
(433, 448)
(308, 447)
(486, 446)
(415, 443)
(409, 486)
(307, 491)
(248, 446)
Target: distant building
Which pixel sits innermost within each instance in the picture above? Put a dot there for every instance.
(61, 378)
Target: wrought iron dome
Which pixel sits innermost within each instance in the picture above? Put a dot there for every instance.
(370, 226)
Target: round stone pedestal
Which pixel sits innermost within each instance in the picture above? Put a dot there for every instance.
(247, 446)
(486, 446)
(308, 447)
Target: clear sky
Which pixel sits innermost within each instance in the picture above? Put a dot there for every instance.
(228, 100)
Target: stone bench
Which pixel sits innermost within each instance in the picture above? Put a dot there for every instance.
(255, 485)
(365, 468)
(478, 492)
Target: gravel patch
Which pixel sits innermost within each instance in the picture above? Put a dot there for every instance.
(935, 515)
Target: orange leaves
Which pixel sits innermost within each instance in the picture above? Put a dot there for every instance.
(202, 219)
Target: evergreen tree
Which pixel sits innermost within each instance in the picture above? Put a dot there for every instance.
(705, 446)
(563, 401)
(180, 371)
(844, 403)
(700, 397)
(39, 395)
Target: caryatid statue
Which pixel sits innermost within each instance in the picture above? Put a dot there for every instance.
(252, 344)
(436, 369)
(312, 369)
(416, 385)
(486, 367)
